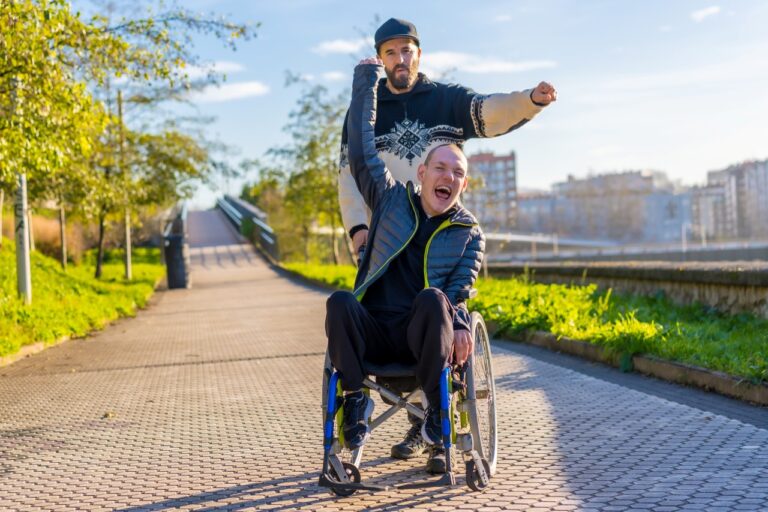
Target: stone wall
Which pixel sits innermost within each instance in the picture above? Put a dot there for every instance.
(732, 287)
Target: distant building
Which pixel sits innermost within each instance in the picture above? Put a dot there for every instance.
(625, 206)
(738, 199)
(536, 212)
(667, 214)
(708, 215)
(492, 191)
(756, 199)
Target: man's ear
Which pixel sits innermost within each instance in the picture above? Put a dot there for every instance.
(420, 172)
(466, 184)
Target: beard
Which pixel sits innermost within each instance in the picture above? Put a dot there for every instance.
(402, 82)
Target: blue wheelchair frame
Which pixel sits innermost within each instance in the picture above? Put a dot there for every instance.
(343, 478)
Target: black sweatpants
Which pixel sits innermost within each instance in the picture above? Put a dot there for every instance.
(424, 337)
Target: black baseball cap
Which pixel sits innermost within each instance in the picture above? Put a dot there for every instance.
(394, 28)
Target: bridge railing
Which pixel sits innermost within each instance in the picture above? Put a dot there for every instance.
(176, 248)
(251, 223)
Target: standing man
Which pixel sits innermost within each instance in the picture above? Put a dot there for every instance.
(414, 115)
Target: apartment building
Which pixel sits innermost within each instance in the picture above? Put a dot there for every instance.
(492, 191)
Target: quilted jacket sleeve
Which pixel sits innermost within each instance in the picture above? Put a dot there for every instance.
(371, 175)
(463, 277)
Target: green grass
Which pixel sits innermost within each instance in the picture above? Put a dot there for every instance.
(72, 303)
(623, 324)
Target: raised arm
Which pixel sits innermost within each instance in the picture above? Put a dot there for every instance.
(370, 174)
(492, 115)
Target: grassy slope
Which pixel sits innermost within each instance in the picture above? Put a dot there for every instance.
(71, 303)
(696, 335)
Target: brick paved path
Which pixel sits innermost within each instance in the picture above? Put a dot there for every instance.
(209, 400)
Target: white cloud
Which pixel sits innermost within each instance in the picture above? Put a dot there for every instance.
(502, 18)
(222, 66)
(334, 76)
(230, 92)
(440, 62)
(342, 46)
(701, 14)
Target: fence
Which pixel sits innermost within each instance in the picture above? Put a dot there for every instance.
(251, 223)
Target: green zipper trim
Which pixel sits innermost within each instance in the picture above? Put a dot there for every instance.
(368, 281)
(446, 223)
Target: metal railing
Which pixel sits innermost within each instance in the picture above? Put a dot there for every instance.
(176, 248)
(251, 223)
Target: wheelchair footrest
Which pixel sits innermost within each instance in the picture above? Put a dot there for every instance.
(331, 483)
(447, 480)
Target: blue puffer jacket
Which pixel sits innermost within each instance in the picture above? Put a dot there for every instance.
(454, 253)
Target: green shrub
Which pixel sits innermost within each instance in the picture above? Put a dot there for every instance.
(622, 324)
(72, 303)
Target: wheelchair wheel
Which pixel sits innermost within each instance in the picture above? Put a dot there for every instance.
(352, 473)
(473, 477)
(481, 387)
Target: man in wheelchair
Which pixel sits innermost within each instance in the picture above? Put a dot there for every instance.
(423, 255)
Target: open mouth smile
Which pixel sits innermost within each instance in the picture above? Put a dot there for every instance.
(443, 192)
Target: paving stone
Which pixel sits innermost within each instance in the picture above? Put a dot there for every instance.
(213, 395)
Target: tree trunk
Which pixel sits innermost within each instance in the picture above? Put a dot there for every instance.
(127, 260)
(63, 235)
(23, 265)
(306, 244)
(100, 251)
(126, 177)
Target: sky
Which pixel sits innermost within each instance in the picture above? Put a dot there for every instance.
(678, 86)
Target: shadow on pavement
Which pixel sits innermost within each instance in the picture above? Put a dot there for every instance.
(286, 493)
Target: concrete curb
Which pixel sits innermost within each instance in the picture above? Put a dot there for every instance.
(670, 371)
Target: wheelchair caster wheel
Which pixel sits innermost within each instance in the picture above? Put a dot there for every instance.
(352, 473)
(475, 481)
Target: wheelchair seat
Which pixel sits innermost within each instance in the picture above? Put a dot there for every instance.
(390, 370)
(397, 377)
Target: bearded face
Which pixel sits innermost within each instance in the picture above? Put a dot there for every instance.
(401, 62)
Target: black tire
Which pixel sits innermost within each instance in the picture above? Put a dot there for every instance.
(473, 478)
(354, 475)
(481, 387)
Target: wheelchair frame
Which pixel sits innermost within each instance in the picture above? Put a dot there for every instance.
(469, 390)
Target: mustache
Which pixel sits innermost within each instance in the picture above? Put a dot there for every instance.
(401, 66)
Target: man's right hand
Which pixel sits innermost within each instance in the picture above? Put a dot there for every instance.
(359, 239)
(372, 60)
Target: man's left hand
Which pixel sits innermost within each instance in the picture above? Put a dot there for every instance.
(544, 94)
(463, 344)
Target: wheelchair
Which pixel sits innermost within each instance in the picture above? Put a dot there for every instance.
(467, 411)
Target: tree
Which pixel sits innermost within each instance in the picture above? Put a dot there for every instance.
(312, 167)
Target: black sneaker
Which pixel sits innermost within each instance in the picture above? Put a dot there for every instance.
(432, 430)
(436, 461)
(412, 446)
(358, 408)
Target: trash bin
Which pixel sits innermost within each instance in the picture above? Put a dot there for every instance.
(176, 256)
